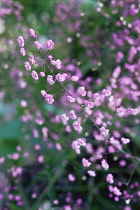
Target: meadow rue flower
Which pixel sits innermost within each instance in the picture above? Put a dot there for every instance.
(50, 79)
(77, 126)
(22, 51)
(89, 103)
(91, 173)
(71, 178)
(49, 98)
(64, 119)
(43, 93)
(71, 99)
(58, 64)
(104, 131)
(49, 44)
(50, 57)
(85, 162)
(32, 59)
(125, 140)
(61, 77)
(75, 145)
(53, 62)
(34, 75)
(81, 91)
(32, 33)
(74, 78)
(27, 66)
(42, 74)
(38, 45)
(110, 179)
(117, 191)
(105, 164)
(20, 41)
(72, 115)
(106, 92)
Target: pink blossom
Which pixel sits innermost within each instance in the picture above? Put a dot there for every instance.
(81, 91)
(110, 179)
(85, 162)
(76, 146)
(58, 64)
(38, 45)
(27, 66)
(81, 142)
(53, 62)
(64, 119)
(91, 173)
(34, 75)
(72, 115)
(43, 93)
(104, 131)
(32, 59)
(50, 57)
(74, 78)
(22, 51)
(42, 74)
(49, 98)
(89, 103)
(125, 140)
(20, 41)
(117, 191)
(71, 178)
(49, 44)
(106, 92)
(32, 33)
(71, 99)
(77, 126)
(105, 164)
(61, 77)
(50, 79)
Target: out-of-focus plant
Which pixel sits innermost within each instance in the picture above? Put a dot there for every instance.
(79, 107)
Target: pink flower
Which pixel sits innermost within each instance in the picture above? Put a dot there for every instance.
(22, 51)
(71, 99)
(91, 173)
(50, 57)
(49, 98)
(117, 191)
(72, 115)
(71, 178)
(53, 62)
(110, 179)
(64, 119)
(32, 33)
(61, 77)
(27, 66)
(77, 126)
(43, 93)
(106, 92)
(81, 91)
(105, 164)
(104, 131)
(76, 146)
(20, 41)
(34, 75)
(74, 78)
(32, 59)
(50, 79)
(89, 104)
(49, 44)
(85, 162)
(58, 64)
(42, 74)
(125, 141)
(38, 45)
